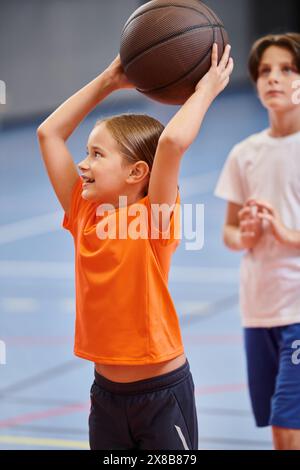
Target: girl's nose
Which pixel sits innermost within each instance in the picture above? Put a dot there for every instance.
(83, 165)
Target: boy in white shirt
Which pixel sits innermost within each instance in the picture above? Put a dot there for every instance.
(261, 182)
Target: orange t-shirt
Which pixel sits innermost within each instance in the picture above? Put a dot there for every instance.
(124, 311)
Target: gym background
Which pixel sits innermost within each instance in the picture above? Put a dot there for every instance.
(49, 49)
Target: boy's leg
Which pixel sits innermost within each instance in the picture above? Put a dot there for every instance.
(286, 439)
(262, 355)
(285, 417)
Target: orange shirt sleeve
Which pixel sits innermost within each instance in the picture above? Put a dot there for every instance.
(70, 221)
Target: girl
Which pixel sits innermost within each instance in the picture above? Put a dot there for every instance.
(143, 393)
(261, 181)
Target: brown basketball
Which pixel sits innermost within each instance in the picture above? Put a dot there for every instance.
(166, 47)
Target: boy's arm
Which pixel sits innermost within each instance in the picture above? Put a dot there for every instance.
(231, 231)
(57, 128)
(183, 128)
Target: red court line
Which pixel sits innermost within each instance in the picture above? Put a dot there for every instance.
(222, 388)
(30, 417)
(76, 407)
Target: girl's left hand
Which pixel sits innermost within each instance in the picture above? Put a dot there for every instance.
(217, 78)
(267, 212)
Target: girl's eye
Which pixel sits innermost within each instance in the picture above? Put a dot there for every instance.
(96, 154)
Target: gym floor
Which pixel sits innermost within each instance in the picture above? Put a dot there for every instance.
(44, 388)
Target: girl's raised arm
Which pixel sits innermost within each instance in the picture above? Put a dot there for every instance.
(57, 128)
(183, 129)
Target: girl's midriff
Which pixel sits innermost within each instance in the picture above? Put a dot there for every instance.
(125, 374)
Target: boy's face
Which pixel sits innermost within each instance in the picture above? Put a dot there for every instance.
(105, 165)
(276, 74)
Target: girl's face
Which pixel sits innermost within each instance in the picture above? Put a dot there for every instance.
(103, 170)
(276, 74)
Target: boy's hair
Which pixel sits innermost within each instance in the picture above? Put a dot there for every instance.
(136, 135)
(290, 41)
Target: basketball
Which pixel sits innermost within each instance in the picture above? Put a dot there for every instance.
(165, 47)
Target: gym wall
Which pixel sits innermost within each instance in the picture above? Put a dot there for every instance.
(49, 49)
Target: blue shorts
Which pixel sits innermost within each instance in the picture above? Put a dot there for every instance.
(153, 414)
(274, 375)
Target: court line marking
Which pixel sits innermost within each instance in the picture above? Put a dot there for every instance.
(66, 270)
(247, 442)
(37, 269)
(52, 222)
(208, 339)
(43, 376)
(22, 305)
(225, 412)
(44, 430)
(38, 441)
(30, 227)
(214, 308)
(85, 445)
(59, 430)
(220, 388)
(85, 406)
(204, 274)
(19, 304)
(38, 415)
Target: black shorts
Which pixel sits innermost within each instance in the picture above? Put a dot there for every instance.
(153, 414)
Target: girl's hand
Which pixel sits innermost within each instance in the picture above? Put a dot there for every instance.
(251, 228)
(217, 78)
(117, 74)
(280, 231)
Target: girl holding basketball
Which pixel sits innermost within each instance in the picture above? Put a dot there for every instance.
(126, 323)
(261, 181)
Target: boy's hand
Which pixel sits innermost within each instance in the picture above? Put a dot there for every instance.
(251, 228)
(117, 74)
(217, 78)
(280, 231)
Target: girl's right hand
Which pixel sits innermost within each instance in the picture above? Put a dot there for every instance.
(217, 78)
(117, 74)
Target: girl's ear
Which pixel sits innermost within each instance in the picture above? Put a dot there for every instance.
(138, 172)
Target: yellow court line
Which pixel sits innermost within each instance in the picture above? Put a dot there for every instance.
(44, 442)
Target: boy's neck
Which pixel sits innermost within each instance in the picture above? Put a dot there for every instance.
(284, 124)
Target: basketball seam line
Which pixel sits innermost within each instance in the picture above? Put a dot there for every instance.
(213, 14)
(222, 38)
(151, 90)
(129, 61)
(167, 6)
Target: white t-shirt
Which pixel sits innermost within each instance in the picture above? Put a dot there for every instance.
(267, 168)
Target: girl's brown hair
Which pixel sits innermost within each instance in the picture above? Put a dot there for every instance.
(290, 41)
(136, 135)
